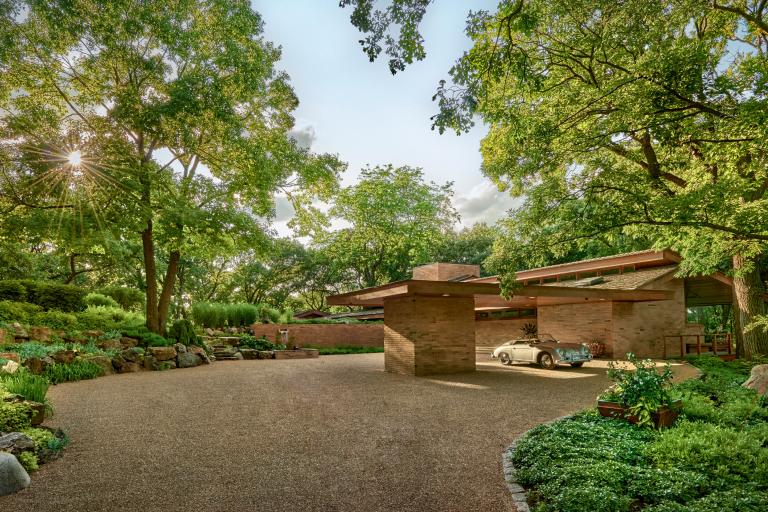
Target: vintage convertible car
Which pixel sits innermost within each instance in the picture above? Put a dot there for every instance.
(544, 350)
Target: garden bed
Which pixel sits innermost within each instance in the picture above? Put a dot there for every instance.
(713, 458)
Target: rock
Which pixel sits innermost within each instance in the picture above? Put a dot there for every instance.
(127, 342)
(34, 365)
(266, 354)
(188, 360)
(134, 355)
(113, 344)
(162, 353)
(11, 356)
(75, 338)
(238, 355)
(758, 379)
(249, 353)
(41, 334)
(103, 361)
(19, 331)
(10, 367)
(209, 331)
(180, 348)
(63, 356)
(129, 367)
(117, 362)
(13, 476)
(15, 443)
(37, 413)
(232, 341)
(93, 333)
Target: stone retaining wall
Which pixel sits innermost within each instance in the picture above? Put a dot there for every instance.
(325, 335)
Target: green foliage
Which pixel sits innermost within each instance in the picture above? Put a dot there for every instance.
(12, 290)
(40, 436)
(130, 299)
(108, 318)
(55, 320)
(730, 500)
(147, 338)
(346, 349)
(77, 370)
(29, 461)
(267, 314)
(182, 331)
(259, 343)
(233, 315)
(17, 311)
(14, 417)
(50, 295)
(97, 299)
(31, 387)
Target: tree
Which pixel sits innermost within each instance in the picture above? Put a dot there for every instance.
(470, 246)
(393, 220)
(645, 118)
(167, 119)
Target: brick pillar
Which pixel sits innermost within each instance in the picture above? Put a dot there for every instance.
(429, 335)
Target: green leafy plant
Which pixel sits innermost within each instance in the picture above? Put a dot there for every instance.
(40, 436)
(77, 370)
(29, 461)
(54, 319)
(529, 330)
(50, 295)
(345, 349)
(14, 416)
(182, 331)
(97, 299)
(17, 311)
(130, 299)
(261, 343)
(12, 290)
(32, 387)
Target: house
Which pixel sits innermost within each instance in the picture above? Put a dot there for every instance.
(310, 314)
(629, 302)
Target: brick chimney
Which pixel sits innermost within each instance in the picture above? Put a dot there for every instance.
(445, 271)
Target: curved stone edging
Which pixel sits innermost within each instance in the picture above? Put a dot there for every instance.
(518, 492)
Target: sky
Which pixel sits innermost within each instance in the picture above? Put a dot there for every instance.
(358, 110)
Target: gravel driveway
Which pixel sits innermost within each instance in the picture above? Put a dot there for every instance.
(336, 433)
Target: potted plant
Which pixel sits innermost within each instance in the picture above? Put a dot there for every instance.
(596, 347)
(640, 394)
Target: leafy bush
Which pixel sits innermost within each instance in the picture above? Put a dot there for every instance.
(17, 311)
(147, 338)
(346, 349)
(259, 343)
(731, 500)
(220, 315)
(49, 295)
(40, 436)
(267, 314)
(54, 320)
(14, 417)
(107, 318)
(183, 332)
(129, 299)
(12, 290)
(97, 299)
(29, 461)
(31, 387)
(77, 370)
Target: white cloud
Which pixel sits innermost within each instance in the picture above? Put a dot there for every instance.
(484, 203)
(304, 137)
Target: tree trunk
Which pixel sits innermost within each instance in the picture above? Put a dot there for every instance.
(150, 274)
(748, 303)
(168, 284)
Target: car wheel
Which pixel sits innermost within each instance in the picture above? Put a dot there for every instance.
(546, 361)
(577, 365)
(504, 358)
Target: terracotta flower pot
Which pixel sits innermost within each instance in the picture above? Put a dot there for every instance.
(37, 413)
(662, 418)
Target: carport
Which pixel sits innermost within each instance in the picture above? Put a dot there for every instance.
(429, 321)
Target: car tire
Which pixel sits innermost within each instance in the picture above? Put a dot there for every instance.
(504, 358)
(577, 365)
(546, 361)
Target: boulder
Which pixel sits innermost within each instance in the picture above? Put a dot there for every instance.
(127, 342)
(117, 362)
(113, 344)
(249, 353)
(758, 379)
(11, 356)
(103, 361)
(34, 365)
(129, 367)
(10, 367)
(63, 356)
(266, 354)
(75, 338)
(180, 348)
(13, 476)
(95, 333)
(232, 341)
(41, 334)
(133, 355)
(162, 353)
(15, 443)
(188, 360)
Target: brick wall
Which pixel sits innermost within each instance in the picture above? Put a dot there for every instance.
(577, 323)
(640, 327)
(492, 333)
(326, 335)
(429, 335)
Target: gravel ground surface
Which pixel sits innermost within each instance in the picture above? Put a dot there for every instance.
(333, 434)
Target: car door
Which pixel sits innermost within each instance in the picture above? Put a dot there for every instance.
(522, 351)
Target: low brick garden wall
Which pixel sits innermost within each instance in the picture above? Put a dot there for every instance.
(324, 335)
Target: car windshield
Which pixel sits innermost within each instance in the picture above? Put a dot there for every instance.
(546, 337)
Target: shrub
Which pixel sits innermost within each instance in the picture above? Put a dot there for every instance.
(29, 461)
(346, 349)
(49, 295)
(31, 387)
(54, 320)
(258, 343)
(97, 299)
(12, 290)
(219, 315)
(14, 417)
(267, 314)
(77, 370)
(17, 311)
(107, 318)
(40, 436)
(129, 299)
(183, 332)
(147, 338)
(239, 315)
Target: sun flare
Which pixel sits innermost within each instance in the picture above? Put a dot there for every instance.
(75, 158)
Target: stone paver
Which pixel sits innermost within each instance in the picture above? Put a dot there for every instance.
(329, 434)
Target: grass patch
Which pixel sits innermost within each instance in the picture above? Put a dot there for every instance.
(345, 349)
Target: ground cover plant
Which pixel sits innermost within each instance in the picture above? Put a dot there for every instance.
(713, 458)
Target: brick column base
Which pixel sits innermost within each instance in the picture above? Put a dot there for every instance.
(429, 335)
